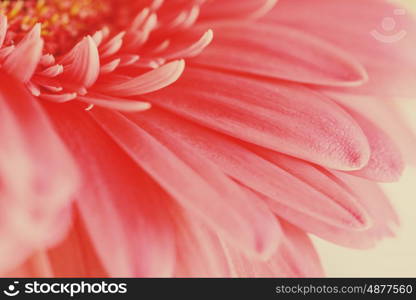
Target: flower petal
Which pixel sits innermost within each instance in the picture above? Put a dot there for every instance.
(386, 163)
(279, 52)
(112, 46)
(200, 252)
(24, 59)
(368, 195)
(75, 256)
(146, 83)
(284, 117)
(81, 65)
(296, 257)
(38, 176)
(36, 266)
(197, 185)
(383, 53)
(3, 28)
(115, 103)
(386, 115)
(122, 208)
(183, 48)
(235, 9)
(334, 207)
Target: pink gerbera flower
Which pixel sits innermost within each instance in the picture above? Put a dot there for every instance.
(116, 160)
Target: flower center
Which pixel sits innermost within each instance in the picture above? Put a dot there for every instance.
(97, 51)
(63, 21)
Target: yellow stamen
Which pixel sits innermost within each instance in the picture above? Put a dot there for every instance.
(55, 14)
(16, 9)
(61, 19)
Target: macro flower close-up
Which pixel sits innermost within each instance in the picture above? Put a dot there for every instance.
(198, 138)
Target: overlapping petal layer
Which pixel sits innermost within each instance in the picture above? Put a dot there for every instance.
(37, 175)
(262, 136)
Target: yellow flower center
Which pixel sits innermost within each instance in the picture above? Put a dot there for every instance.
(63, 21)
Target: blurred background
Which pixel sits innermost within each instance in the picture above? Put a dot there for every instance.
(392, 257)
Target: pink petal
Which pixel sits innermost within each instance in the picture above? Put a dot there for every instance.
(334, 207)
(176, 15)
(115, 103)
(197, 185)
(37, 265)
(368, 195)
(386, 116)
(47, 60)
(3, 28)
(37, 173)
(200, 252)
(383, 61)
(75, 256)
(386, 163)
(279, 52)
(284, 117)
(24, 59)
(128, 59)
(379, 207)
(138, 34)
(58, 98)
(192, 50)
(81, 65)
(299, 252)
(124, 211)
(52, 71)
(110, 67)
(231, 9)
(33, 88)
(296, 257)
(98, 37)
(6, 51)
(112, 46)
(148, 82)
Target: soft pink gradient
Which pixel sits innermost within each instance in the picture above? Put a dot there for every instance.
(121, 159)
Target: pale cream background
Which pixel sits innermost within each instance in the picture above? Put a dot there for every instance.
(393, 257)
